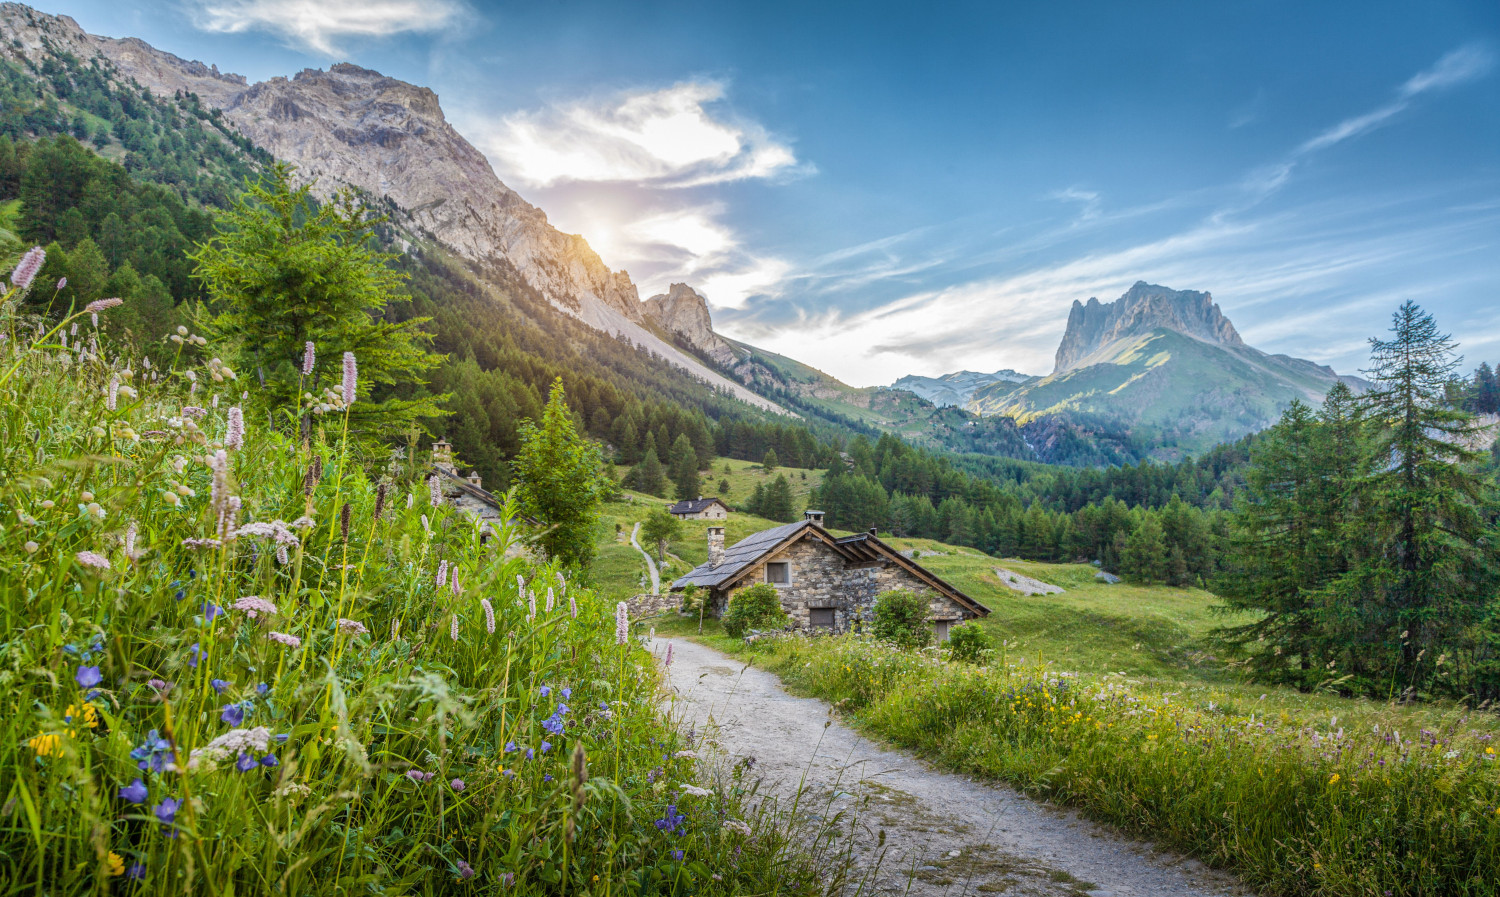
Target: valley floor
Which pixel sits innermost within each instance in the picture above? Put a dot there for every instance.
(930, 832)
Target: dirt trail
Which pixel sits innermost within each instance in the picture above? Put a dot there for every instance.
(944, 833)
(650, 561)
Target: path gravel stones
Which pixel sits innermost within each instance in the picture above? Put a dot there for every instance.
(943, 834)
(650, 561)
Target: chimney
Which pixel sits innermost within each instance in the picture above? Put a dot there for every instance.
(814, 516)
(873, 530)
(715, 546)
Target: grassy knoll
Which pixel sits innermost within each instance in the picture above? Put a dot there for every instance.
(233, 663)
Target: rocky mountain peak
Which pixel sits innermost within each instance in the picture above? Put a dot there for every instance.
(682, 310)
(1143, 308)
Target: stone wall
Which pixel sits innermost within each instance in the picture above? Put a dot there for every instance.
(651, 605)
(820, 578)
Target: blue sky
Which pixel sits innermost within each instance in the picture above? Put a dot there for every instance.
(884, 189)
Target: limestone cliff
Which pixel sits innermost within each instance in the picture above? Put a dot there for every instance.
(356, 127)
(681, 310)
(1144, 308)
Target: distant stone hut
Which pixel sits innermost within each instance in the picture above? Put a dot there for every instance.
(465, 492)
(699, 508)
(825, 582)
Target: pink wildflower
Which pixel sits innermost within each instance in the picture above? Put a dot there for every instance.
(235, 436)
(453, 628)
(434, 490)
(573, 607)
(489, 614)
(668, 661)
(27, 268)
(622, 623)
(309, 358)
(352, 627)
(114, 393)
(351, 378)
(453, 581)
(291, 641)
(93, 560)
(254, 605)
(530, 605)
(442, 574)
(549, 600)
(99, 305)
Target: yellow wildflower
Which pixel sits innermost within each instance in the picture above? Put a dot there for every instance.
(114, 864)
(90, 714)
(48, 745)
(1333, 779)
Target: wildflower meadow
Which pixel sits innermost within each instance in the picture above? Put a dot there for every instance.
(1389, 803)
(239, 657)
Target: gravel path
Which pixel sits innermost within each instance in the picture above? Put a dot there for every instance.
(650, 561)
(944, 834)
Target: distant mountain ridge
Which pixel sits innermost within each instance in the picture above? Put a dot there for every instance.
(1165, 361)
(957, 388)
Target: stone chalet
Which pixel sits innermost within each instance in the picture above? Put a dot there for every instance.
(699, 508)
(465, 493)
(826, 582)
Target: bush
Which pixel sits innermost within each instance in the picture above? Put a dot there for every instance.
(968, 642)
(758, 607)
(901, 619)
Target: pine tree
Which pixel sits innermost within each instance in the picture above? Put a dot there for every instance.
(778, 502)
(648, 476)
(1145, 559)
(558, 481)
(724, 486)
(770, 462)
(685, 469)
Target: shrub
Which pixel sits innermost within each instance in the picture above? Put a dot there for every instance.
(968, 642)
(758, 607)
(901, 619)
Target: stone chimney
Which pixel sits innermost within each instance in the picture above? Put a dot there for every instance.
(715, 546)
(873, 530)
(442, 456)
(814, 516)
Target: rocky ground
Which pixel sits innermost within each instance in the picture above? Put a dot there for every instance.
(919, 830)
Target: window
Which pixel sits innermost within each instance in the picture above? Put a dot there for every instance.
(820, 617)
(779, 572)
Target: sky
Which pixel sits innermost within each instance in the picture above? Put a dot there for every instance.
(887, 189)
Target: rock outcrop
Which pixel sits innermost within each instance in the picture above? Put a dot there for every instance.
(351, 126)
(1144, 307)
(957, 388)
(681, 310)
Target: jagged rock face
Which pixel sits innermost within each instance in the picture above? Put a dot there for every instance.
(350, 126)
(1144, 307)
(353, 126)
(681, 310)
(956, 388)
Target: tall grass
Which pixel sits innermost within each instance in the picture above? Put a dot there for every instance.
(222, 671)
(1295, 806)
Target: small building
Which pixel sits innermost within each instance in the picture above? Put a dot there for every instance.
(699, 508)
(826, 582)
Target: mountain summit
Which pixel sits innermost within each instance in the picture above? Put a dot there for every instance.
(1144, 307)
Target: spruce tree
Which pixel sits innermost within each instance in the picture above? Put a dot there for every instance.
(558, 481)
(648, 476)
(1427, 569)
(1145, 559)
(284, 270)
(685, 477)
(778, 502)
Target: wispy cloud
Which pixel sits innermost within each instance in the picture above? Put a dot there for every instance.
(671, 137)
(1457, 67)
(321, 24)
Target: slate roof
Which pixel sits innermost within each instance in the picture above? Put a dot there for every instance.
(740, 555)
(694, 505)
(859, 548)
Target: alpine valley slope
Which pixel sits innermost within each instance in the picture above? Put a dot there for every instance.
(1167, 360)
(351, 126)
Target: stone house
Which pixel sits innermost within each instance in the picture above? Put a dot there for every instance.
(465, 493)
(699, 508)
(825, 581)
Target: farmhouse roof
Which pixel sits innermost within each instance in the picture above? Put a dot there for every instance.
(694, 505)
(857, 549)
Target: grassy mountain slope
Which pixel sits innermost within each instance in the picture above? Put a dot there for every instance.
(1194, 394)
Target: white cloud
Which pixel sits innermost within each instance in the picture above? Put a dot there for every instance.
(320, 24)
(668, 138)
